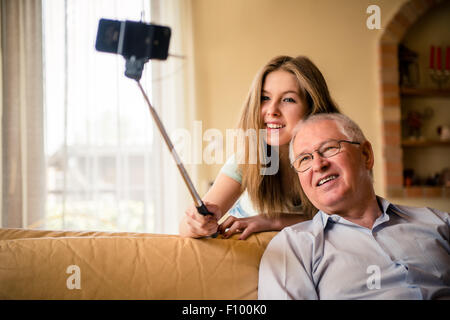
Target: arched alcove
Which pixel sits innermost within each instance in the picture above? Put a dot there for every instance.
(391, 92)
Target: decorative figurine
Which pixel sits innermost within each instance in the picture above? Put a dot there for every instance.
(444, 133)
(409, 67)
(414, 122)
(445, 177)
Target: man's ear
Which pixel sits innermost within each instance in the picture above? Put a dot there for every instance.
(367, 152)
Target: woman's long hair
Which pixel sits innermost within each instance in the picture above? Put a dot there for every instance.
(280, 192)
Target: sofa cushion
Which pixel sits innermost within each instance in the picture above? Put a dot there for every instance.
(48, 264)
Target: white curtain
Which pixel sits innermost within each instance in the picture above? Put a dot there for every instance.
(174, 98)
(106, 165)
(22, 143)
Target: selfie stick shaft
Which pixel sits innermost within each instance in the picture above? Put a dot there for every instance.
(197, 200)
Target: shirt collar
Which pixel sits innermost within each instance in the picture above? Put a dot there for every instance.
(325, 217)
(385, 206)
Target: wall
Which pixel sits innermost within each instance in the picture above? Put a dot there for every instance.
(234, 38)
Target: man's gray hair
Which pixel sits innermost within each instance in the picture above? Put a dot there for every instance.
(346, 125)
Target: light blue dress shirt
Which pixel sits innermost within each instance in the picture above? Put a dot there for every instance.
(406, 255)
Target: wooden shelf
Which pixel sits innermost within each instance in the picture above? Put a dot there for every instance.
(426, 192)
(425, 143)
(425, 92)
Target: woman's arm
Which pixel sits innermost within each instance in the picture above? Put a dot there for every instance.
(258, 223)
(219, 199)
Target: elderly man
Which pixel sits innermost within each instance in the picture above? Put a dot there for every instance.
(358, 245)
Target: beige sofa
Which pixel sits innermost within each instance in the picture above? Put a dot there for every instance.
(36, 264)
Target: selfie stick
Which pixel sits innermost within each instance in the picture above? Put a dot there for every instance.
(201, 208)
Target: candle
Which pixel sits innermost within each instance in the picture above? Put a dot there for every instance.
(447, 59)
(439, 58)
(432, 57)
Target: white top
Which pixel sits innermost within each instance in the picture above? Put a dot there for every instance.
(243, 206)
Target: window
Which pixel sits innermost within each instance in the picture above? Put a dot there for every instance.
(101, 165)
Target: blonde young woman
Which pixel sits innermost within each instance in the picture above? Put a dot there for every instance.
(284, 91)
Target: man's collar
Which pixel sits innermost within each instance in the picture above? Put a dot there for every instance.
(383, 204)
(325, 217)
(385, 207)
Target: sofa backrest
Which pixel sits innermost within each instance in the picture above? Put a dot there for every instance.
(99, 265)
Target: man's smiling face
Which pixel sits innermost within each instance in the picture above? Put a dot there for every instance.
(338, 182)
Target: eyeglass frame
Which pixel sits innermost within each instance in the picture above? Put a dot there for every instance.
(320, 153)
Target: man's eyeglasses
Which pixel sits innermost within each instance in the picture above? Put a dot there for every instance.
(328, 149)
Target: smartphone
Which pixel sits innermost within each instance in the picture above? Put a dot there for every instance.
(132, 38)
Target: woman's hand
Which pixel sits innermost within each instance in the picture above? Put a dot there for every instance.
(246, 226)
(258, 223)
(195, 225)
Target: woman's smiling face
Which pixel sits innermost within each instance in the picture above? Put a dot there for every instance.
(281, 106)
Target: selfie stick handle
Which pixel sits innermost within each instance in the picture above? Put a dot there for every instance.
(201, 208)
